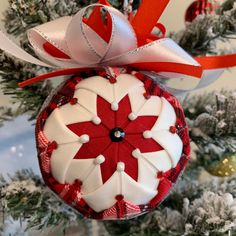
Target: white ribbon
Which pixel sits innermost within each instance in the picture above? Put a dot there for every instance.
(85, 48)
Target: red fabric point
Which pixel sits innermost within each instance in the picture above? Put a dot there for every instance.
(173, 129)
(125, 156)
(160, 175)
(112, 80)
(73, 101)
(89, 128)
(119, 197)
(146, 95)
(123, 112)
(76, 186)
(52, 146)
(105, 113)
(108, 167)
(145, 145)
(140, 124)
(93, 148)
(78, 182)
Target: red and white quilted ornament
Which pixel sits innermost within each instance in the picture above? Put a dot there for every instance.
(112, 147)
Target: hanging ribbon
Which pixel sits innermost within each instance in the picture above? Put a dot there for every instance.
(146, 18)
(217, 62)
(104, 37)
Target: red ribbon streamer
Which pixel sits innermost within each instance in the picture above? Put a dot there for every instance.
(217, 62)
(146, 18)
(152, 66)
(190, 70)
(63, 72)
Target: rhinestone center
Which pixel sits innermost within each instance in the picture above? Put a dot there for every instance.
(117, 135)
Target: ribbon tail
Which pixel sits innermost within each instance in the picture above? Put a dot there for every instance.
(213, 68)
(217, 62)
(169, 69)
(208, 78)
(10, 47)
(70, 71)
(146, 18)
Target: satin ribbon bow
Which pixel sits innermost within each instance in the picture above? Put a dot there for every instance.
(101, 36)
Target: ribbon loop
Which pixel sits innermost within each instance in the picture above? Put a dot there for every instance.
(146, 18)
(88, 47)
(10, 47)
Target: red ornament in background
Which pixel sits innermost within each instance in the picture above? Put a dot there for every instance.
(199, 7)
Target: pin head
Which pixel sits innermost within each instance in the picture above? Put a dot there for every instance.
(117, 135)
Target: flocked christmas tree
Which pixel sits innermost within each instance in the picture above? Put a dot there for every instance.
(193, 207)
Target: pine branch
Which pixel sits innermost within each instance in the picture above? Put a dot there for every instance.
(6, 114)
(25, 14)
(28, 100)
(212, 125)
(200, 37)
(26, 197)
